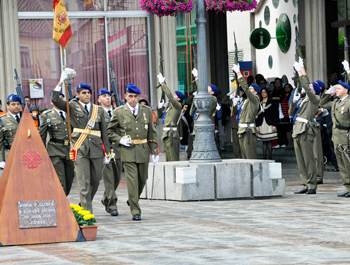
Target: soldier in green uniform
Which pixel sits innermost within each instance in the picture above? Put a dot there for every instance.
(304, 129)
(90, 139)
(340, 110)
(8, 126)
(111, 172)
(247, 112)
(170, 114)
(132, 128)
(54, 122)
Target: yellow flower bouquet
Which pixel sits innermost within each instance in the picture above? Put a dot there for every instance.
(83, 217)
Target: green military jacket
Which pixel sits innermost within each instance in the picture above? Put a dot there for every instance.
(8, 129)
(115, 147)
(308, 109)
(141, 127)
(173, 112)
(250, 107)
(52, 123)
(92, 145)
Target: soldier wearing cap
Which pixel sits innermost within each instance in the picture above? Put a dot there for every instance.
(111, 172)
(170, 114)
(246, 113)
(340, 111)
(90, 139)
(132, 128)
(8, 126)
(304, 129)
(54, 122)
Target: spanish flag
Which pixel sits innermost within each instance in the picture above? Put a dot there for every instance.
(62, 31)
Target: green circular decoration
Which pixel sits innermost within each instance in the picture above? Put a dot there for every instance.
(275, 3)
(295, 3)
(270, 62)
(267, 15)
(260, 38)
(283, 32)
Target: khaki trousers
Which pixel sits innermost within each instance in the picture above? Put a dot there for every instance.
(65, 172)
(111, 174)
(247, 144)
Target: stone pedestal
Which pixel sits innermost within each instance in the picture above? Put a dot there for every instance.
(229, 179)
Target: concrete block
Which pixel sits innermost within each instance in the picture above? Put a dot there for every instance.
(233, 180)
(183, 156)
(275, 170)
(185, 175)
(157, 181)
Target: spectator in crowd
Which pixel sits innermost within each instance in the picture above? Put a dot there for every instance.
(284, 126)
(2, 112)
(266, 124)
(250, 80)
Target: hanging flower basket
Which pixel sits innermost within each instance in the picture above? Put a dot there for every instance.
(230, 5)
(162, 8)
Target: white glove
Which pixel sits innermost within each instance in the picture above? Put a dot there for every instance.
(126, 141)
(106, 160)
(155, 159)
(235, 101)
(195, 73)
(161, 104)
(161, 78)
(218, 107)
(332, 90)
(235, 68)
(216, 131)
(194, 93)
(296, 96)
(63, 76)
(301, 62)
(2, 164)
(303, 91)
(346, 65)
(297, 66)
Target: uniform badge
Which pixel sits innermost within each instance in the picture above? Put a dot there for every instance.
(78, 108)
(144, 117)
(342, 110)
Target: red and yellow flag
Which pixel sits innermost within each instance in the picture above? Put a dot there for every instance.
(62, 31)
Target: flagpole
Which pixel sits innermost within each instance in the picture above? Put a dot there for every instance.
(67, 101)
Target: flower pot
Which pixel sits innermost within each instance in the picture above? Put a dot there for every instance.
(230, 5)
(89, 232)
(166, 8)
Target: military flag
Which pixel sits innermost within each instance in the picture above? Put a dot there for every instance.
(62, 31)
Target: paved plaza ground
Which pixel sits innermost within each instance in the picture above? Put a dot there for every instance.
(295, 229)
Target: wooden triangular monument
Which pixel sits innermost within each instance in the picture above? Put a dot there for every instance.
(33, 206)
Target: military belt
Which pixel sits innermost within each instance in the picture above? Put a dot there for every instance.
(169, 128)
(341, 127)
(304, 120)
(58, 141)
(246, 125)
(87, 131)
(139, 141)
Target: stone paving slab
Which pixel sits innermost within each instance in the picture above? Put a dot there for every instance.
(294, 229)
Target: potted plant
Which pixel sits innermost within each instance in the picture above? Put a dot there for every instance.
(162, 8)
(86, 221)
(230, 5)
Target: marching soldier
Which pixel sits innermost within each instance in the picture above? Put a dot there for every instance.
(304, 130)
(132, 128)
(341, 127)
(111, 172)
(247, 111)
(54, 122)
(170, 114)
(90, 139)
(8, 126)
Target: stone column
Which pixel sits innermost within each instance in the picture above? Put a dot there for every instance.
(9, 48)
(204, 150)
(315, 35)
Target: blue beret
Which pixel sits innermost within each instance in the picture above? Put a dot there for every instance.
(13, 98)
(256, 87)
(180, 95)
(241, 89)
(215, 89)
(321, 84)
(346, 85)
(316, 88)
(82, 86)
(103, 91)
(131, 88)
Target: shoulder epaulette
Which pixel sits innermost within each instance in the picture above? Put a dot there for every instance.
(120, 107)
(46, 111)
(3, 115)
(146, 106)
